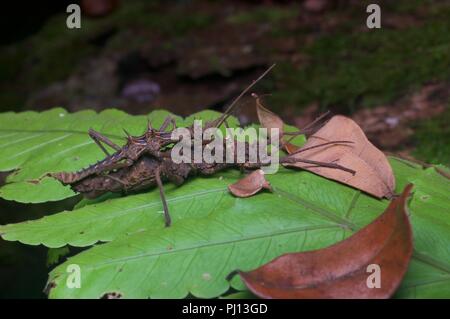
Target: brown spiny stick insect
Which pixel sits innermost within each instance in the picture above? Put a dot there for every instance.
(145, 161)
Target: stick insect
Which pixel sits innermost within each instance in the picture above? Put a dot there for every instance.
(145, 161)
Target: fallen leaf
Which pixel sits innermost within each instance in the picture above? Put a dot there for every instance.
(347, 269)
(291, 148)
(250, 184)
(270, 120)
(389, 126)
(267, 118)
(373, 172)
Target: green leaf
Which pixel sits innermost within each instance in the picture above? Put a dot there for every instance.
(214, 233)
(33, 144)
(240, 295)
(219, 234)
(429, 272)
(201, 248)
(197, 253)
(55, 254)
(105, 221)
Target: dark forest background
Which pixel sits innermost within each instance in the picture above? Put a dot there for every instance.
(185, 56)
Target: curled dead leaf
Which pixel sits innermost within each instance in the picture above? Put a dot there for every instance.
(347, 269)
(270, 120)
(373, 172)
(267, 118)
(290, 148)
(250, 184)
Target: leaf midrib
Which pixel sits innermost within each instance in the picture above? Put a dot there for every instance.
(330, 215)
(117, 214)
(55, 131)
(425, 282)
(218, 243)
(343, 222)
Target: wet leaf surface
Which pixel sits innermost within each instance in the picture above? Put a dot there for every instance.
(267, 118)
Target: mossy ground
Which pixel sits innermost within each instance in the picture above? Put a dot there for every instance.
(55, 51)
(432, 139)
(346, 68)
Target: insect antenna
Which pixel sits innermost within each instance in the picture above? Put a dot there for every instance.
(290, 159)
(317, 121)
(300, 150)
(311, 128)
(218, 122)
(149, 125)
(127, 134)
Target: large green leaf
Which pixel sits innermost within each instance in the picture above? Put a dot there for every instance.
(217, 234)
(33, 144)
(429, 272)
(214, 233)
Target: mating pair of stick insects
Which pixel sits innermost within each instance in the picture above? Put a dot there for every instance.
(145, 161)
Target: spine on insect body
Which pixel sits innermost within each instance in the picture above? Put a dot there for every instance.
(140, 175)
(109, 163)
(116, 173)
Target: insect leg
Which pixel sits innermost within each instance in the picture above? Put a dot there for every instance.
(166, 123)
(315, 125)
(167, 218)
(174, 123)
(230, 109)
(320, 145)
(99, 138)
(316, 163)
(125, 186)
(312, 127)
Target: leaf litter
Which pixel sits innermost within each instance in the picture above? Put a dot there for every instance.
(250, 184)
(344, 270)
(341, 270)
(348, 147)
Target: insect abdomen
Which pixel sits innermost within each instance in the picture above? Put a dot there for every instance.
(73, 177)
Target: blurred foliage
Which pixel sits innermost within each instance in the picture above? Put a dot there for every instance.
(431, 139)
(263, 14)
(54, 52)
(343, 68)
(367, 69)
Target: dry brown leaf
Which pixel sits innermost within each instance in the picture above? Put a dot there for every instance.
(373, 172)
(267, 118)
(344, 270)
(250, 184)
(290, 148)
